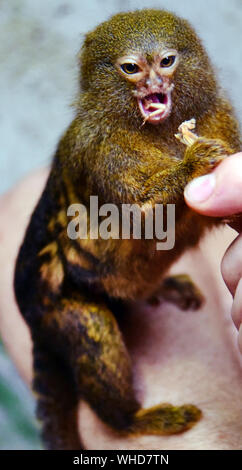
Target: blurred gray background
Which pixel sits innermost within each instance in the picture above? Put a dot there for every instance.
(39, 42)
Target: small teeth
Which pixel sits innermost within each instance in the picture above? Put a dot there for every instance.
(160, 106)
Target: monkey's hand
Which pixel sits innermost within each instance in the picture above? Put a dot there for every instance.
(202, 155)
(184, 132)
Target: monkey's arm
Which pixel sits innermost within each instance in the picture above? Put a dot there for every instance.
(220, 138)
(128, 167)
(166, 187)
(123, 166)
(158, 178)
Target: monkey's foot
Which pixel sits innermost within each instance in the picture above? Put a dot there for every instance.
(165, 419)
(179, 290)
(184, 132)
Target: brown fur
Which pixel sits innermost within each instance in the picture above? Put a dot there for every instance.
(71, 291)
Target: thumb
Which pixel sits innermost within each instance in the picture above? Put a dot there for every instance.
(220, 192)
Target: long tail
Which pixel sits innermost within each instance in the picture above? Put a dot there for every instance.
(56, 402)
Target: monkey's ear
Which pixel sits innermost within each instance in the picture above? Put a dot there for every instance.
(86, 48)
(88, 40)
(85, 58)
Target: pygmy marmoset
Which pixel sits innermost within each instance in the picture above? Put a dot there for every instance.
(142, 74)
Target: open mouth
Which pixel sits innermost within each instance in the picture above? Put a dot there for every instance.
(155, 107)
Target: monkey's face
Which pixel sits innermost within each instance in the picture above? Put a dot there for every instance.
(153, 82)
(146, 66)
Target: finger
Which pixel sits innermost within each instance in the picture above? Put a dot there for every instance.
(240, 339)
(236, 311)
(236, 224)
(218, 193)
(231, 266)
(15, 208)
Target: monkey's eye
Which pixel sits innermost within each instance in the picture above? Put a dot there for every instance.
(168, 61)
(130, 68)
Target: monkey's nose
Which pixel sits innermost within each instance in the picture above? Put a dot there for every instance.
(154, 81)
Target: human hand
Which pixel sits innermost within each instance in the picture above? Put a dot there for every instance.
(16, 207)
(220, 194)
(177, 357)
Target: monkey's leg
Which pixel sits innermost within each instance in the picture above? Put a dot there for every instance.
(56, 400)
(92, 343)
(179, 290)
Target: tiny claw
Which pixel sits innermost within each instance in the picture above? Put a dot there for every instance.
(185, 135)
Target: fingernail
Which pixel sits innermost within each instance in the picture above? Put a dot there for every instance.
(200, 189)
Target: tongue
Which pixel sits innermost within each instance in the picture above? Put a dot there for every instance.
(148, 100)
(153, 98)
